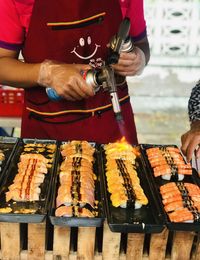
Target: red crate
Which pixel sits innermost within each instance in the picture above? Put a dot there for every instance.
(11, 102)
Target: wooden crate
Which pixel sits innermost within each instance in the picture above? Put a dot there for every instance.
(29, 241)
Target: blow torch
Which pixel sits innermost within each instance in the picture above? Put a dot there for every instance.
(121, 42)
(104, 76)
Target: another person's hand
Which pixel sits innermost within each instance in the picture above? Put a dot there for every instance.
(191, 141)
(130, 63)
(66, 79)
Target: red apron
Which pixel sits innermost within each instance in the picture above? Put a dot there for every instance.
(90, 26)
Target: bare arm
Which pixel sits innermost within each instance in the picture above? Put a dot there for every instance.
(144, 46)
(64, 78)
(17, 73)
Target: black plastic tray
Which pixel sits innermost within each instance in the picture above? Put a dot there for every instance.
(147, 219)
(8, 146)
(41, 207)
(80, 221)
(158, 181)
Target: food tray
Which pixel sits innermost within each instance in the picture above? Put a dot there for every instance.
(147, 219)
(158, 181)
(80, 221)
(21, 210)
(7, 145)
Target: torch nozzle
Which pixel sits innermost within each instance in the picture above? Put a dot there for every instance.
(119, 117)
(116, 106)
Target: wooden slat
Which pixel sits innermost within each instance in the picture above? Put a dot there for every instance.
(49, 255)
(111, 244)
(135, 244)
(182, 244)
(24, 255)
(73, 256)
(98, 256)
(86, 243)
(122, 256)
(196, 253)
(10, 241)
(158, 244)
(10, 244)
(61, 244)
(36, 241)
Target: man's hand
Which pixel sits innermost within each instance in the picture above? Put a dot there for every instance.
(191, 141)
(130, 63)
(66, 79)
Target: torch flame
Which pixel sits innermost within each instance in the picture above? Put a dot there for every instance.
(123, 140)
(122, 145)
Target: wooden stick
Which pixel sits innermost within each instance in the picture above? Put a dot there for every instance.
(135, 244)
(158, 244)
(10, 241)
(197, 251)
(36, 241)
(61, 244)
(111, 244)
(182, 245)
(86, 243)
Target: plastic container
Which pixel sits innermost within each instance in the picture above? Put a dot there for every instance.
(11, 102)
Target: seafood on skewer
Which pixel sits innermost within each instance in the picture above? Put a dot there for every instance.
(184, 215)
(70, 211)
(76, 191)
(122, 179)
(32, 169)
(119, 150)
(181, 201)
(80, 149)
(80, 164)
(168, 163)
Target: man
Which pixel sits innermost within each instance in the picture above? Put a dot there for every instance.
(59, 39)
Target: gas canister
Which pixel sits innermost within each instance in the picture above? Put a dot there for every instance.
(91, 78)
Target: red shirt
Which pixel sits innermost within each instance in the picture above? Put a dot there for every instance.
(15, 17)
